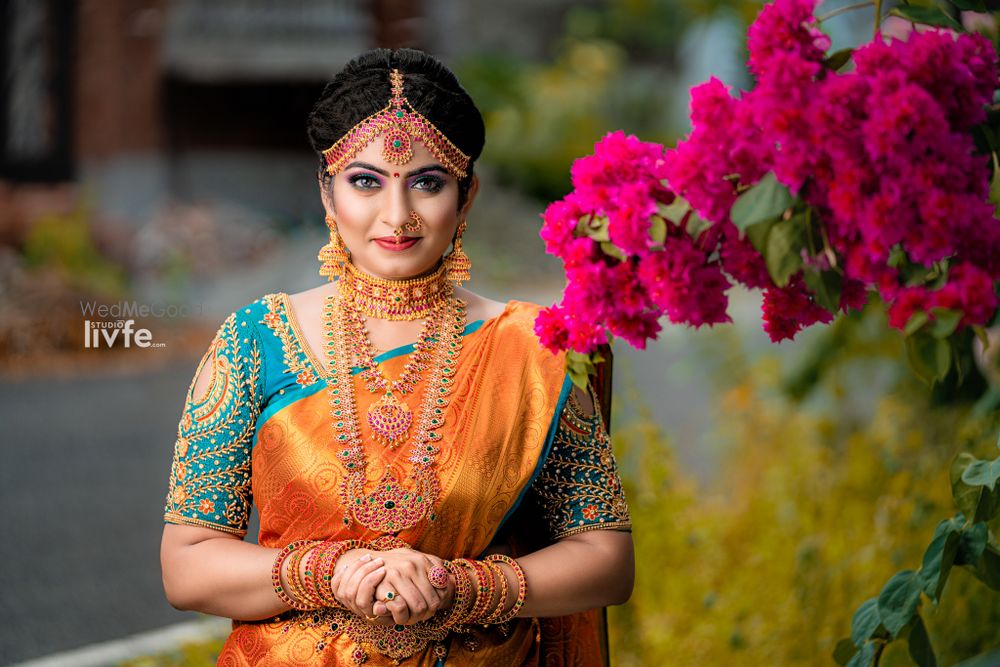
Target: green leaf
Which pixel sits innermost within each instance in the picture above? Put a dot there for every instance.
(595, 227)
(969, 5)
(580, 366)
(783, 255)
(917, 320)
(612, 250)
(926, 15)
(674, 211)
(987, 570)
(865, 621)
(976, 501)
(758, 233)
(988, 659)
(939, 557)
(929, 357)
(837, 59)
(825, 286)
(983, 473)
(844, 651)
(657, 230)
(920, 645)
(864, 656)
(945, 322)
(897, 603)
(984, 338)
(766, 200)
(972, 544)
(696, 224)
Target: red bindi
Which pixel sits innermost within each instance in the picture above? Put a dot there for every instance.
(395, 174)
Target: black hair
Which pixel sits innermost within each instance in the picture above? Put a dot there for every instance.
(361, 88)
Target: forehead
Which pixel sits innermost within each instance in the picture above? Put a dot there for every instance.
(374, 155)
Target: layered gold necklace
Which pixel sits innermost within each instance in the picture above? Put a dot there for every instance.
(393, 506)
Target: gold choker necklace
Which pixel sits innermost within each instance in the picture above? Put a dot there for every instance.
(409, 299)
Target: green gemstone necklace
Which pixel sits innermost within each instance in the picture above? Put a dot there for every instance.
(393, 506)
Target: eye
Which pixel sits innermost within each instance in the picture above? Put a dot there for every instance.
(364, 182)
(428, 183)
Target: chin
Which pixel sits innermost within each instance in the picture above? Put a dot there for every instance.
(399, 269)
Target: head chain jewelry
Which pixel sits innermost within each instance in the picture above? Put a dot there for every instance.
(401, 124)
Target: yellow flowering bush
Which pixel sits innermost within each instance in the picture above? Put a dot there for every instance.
(814, 509)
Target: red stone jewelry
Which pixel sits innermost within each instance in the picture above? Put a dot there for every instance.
(438, 576)
(522, 586)
(393, 506)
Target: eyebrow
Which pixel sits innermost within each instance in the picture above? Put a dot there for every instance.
(415, 172)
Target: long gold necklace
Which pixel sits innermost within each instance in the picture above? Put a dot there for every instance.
(390, 418)
(393, 506)
(368, 295)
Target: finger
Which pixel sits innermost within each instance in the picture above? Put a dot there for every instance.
(418, 605)
(431, 595)
(344, 577)
(353, 579)
(365, 597)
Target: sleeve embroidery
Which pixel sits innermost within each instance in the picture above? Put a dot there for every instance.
(579, 486)
(210, 474)
(296, 361)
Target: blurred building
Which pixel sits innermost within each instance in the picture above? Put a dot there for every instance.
(146, 99)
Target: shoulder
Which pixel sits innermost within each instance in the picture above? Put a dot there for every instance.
(479, 307)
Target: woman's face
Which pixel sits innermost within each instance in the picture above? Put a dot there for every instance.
(372, 198)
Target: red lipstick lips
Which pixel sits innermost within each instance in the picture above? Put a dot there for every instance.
(389, 242)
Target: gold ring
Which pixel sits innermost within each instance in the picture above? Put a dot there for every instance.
(389, 596)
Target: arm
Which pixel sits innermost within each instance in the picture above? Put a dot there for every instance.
(217, 573)
(580, 572)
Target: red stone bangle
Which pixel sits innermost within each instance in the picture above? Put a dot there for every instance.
(326, 567)
(276, 573)
(311, 579)
(463, 595)
(296, 587)
(502, 601)
(482, 599)
(522, 586)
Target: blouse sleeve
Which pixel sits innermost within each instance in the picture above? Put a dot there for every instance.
(578, 486)
(210, 474)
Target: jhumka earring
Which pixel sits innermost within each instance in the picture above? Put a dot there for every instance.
(333, 254)
(457, 262)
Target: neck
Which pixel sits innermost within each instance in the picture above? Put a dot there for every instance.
(395, 299)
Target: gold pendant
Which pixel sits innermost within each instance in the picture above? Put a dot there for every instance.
(390, 420)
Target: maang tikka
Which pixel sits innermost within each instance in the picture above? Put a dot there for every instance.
(333, 254)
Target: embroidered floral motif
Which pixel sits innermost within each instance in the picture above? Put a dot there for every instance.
(295, 358)
(210, 475)
(579, 486)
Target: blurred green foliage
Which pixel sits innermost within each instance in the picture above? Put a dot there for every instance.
(192, 654)
(823, 494)
(614, 67)
(64, 243)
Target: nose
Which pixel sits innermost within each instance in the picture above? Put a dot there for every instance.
(396, 211)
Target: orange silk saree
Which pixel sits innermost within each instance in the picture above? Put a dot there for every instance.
(504, 408)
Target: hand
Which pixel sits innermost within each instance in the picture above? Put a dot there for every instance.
(415, 599)
(353, 584)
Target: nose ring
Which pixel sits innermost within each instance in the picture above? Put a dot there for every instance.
(415, 223)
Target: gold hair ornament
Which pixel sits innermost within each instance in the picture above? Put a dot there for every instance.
(400, 124)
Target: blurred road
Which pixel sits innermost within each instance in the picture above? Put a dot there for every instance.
(82, 485)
